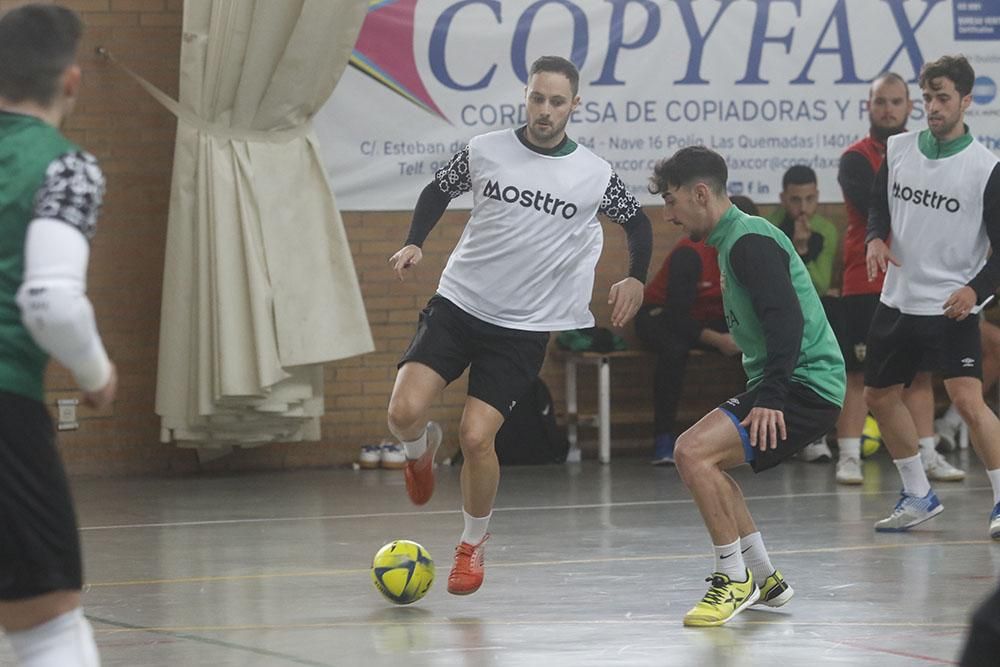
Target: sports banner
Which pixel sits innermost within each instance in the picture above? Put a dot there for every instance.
(767, 83)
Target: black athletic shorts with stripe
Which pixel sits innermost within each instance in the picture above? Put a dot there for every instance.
(900, 345)
(808, 417)
(39, 540)
(502, 362)
(857, 314)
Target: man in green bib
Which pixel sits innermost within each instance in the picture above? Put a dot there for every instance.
(50, 195)
(795, 376)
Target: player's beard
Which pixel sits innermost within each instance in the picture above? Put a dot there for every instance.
(944, 129)
(539, 136)
(883, 133)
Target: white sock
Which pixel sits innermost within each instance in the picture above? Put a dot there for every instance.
(415, 448)
(995, 483)
(729, 561)
(755, 557)
(927, 445)
(65, 641)
(850, 448)
(475, 527)
(914, 478)
(952, 416)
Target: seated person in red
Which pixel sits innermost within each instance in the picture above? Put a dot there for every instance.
(682, 309)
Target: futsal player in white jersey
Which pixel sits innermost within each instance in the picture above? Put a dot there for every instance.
(938, 196)
(523, 267)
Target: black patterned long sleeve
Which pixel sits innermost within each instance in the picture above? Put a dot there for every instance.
(621, 206)
(450, 181)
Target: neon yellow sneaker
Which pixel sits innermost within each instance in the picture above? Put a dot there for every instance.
(725, 598)
(775, 591)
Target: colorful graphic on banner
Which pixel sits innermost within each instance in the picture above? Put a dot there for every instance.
(767, 83)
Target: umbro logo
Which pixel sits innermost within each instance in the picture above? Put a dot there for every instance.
(733, 401)
(968, 362)
(860, 351)
(512, 404)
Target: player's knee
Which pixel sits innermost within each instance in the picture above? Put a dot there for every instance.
(688, 455)
(475, 441)
(404, 414)
(969, 405)
(877, 399)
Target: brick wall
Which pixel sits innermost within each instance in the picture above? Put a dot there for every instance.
(133, 138)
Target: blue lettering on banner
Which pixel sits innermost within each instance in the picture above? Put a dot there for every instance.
(759, 37)
(616, 37)
(977, 20)
(908, 33)
(440, 35)
(843, 48)
(519, 48)
(835, 30)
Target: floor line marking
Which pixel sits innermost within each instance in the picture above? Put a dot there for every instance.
(535, 508)
(121, 627)
(536, 563)
(259, 627)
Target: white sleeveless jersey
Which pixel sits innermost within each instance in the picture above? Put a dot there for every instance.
(527, 256)
(938, 233)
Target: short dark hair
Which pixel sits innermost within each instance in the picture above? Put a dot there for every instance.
(37, 43)
(745, 204)
(798, 174)
(890, 76)
(694, 163)
(558, 65)
(955, 68)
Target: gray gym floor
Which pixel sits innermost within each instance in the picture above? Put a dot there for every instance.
(588, 565)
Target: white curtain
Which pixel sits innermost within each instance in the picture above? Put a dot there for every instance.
(259, 286)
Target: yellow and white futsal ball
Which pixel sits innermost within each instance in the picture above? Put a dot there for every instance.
(871, 437)
(402, 571)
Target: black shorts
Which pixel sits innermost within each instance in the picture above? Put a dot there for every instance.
(900, 346)
(808, 417)
(857, 311)
(39, 540)
(504, 362)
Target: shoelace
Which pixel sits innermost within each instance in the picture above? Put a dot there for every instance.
(467, 552)
(717, 592)
(919, 504)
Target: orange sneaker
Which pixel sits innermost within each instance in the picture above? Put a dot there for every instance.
(467, 573)
(419, 473)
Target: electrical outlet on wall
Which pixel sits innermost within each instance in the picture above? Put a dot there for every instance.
(67, 414)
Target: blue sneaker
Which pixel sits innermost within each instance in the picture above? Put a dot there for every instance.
(995, 522)
(910, 511)
(663, 450)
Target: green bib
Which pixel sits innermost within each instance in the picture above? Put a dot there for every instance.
(820, 365)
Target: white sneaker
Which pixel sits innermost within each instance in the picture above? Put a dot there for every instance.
(995, 522)
(393, 456)
(947, 432)
(816, 452)
(849, 471)
(909, 512)
(938, 469)
(371, 457)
